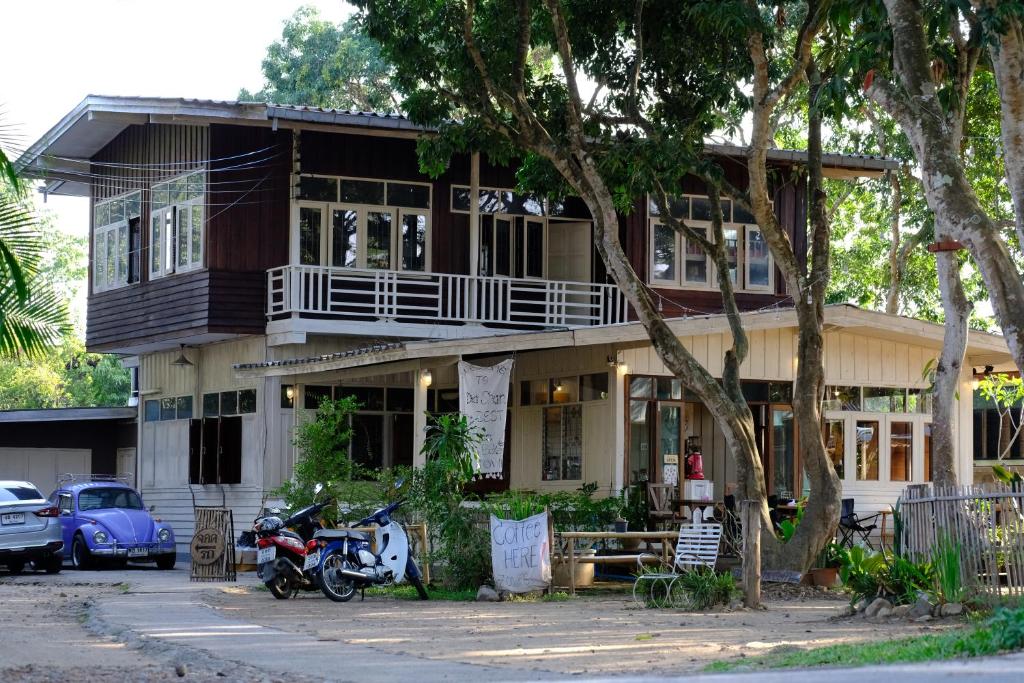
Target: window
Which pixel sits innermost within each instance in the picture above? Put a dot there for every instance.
(539, 392)
(117, 242)
(177, 225)
(563, 443)
(884, 400)
(835, 444)
(170, 408)
(594, 387)
(493, 200)
(927, 451)
(236, 402)
(841, 398)
(362, 223)
(901, 450)
(215, 450)
(866, 443)
(679, 261)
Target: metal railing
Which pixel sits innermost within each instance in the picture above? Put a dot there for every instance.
(367, 294)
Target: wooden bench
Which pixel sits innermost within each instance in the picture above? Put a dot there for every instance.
(567, 549)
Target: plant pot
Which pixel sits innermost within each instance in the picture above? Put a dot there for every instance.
(621, 526)
(584, 572)
(825, 577)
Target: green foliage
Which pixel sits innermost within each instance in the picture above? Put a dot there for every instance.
(1003, 631)
(830, 556)
(787, 527)
(949, 585)
(703, 588)
(320, 64)
(66, 377)
(868, 575)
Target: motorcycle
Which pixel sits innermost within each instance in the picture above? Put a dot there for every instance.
(287, 560)
(348, 564)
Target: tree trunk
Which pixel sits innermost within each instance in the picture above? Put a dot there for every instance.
(897, 255)
(957, 310)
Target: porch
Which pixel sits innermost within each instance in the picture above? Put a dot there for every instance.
(377, 295)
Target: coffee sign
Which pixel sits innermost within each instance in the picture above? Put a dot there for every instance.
(521, 554)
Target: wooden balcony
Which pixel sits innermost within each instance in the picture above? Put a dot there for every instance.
(367, 295)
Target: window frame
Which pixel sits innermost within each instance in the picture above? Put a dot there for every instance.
(169, 253)
(770, 286)
(577, 408)
(102, 234)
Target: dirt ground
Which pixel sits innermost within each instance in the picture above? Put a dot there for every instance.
(598, 635)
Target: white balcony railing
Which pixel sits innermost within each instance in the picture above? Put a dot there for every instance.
(366, 294)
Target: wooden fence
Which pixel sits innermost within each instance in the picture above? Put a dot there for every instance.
(986, 520)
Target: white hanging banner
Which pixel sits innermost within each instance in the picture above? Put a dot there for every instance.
(483, 399)
(521, 554)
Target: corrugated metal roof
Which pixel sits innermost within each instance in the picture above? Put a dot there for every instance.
(67, 414)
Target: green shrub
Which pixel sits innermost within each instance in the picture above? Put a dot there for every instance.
(946, 563)
(868, 575)
(703, 588)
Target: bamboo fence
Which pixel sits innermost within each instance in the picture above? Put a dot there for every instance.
(985, 520)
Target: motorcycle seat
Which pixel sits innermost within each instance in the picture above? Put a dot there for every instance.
(339, 534)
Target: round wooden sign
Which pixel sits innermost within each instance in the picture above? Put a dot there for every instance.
(207, 546)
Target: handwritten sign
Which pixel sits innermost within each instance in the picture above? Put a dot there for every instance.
(483, 399)
(207, 546)
(521, 554)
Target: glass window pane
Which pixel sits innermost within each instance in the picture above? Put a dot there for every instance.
(345, 238)
(400, 400)
(111, 248)
(378, 240)
(534, 249)
(782, 453)
(835, 444)
(664, 253)
(757, 259)
(491, 202)
(177, 190)
(408, 195)
(565, 390)
(102, 215)
(152, 410)
(732, 252)
(101, 261)
(669, 388)
(184, 407)
(309, 236)
(678, 206)
(670, 441)
(168, 248)
(414, 242)
(536, 392)
(502, 247)
(362, 192)
(701, 209)
(841, 398)
(901, 449)
(155, 243)
(867, 450)
(639, 441)
(247, 401)
(741, 215)
(884, 400)
(133, 205)
(183, 236)
(755, 392)
(315, 394)
(524, 204)
(197, 234)
(160, 196)
(369, 398)
(927, 451)
(318, 189)
(919, 401)
(460, 199)
(486, 245)
(195, 185)
(287, 396)
(116, 208)
(696, 260)
(368, 440)
(122, 254)
(168, 408)
(641, 387)
(594, 387)
(229, 403)
(211, 405)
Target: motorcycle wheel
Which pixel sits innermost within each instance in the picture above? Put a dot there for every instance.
(418, 585)
(280, 587)
(332, 583)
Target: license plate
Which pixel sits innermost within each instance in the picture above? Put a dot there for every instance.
(13, 518)
(266, 554)
(312, 560)
(138, 552)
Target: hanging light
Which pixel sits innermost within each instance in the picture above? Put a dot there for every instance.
(182, 361)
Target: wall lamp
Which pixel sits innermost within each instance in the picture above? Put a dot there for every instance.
(978, 376)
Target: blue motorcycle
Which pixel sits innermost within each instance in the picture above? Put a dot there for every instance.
(348, 564)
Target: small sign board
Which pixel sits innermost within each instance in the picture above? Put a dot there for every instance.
(521, 554)
(212, 548)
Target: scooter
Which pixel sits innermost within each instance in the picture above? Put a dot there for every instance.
(287, 560)
(348, 564)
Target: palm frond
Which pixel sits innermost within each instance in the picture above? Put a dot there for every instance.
(20, 246)
(32, 325)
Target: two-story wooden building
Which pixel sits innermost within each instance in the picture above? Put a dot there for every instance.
(252, 258)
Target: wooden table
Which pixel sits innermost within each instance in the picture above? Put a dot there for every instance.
(885, 514)
(569, 549)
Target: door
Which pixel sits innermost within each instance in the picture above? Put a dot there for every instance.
(401, 439)
(670, 443)
(782, 463)
(66, 504)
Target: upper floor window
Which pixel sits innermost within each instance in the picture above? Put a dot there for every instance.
(116, 241)
(679, 261)
(497, 200)
(363, 223)
(177, 225)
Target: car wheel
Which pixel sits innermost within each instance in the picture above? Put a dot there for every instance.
(52, 564)
(81, 558)
(165, 562)
(16, 566)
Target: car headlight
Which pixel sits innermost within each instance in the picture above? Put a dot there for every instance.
(164, 535)
(100, 537)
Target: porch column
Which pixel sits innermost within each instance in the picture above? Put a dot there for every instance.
(618, 389)
(423, 379)
(474, 237)
(963, 436)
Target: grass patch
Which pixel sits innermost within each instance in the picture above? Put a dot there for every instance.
(1002, 632)
(406, 592)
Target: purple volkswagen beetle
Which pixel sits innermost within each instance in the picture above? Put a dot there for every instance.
(105, 519)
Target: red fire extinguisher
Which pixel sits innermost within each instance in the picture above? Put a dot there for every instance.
(694, 466)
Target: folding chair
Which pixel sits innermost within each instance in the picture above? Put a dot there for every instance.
(697, 546)
(853, 528)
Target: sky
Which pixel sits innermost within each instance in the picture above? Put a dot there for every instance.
(186, 48)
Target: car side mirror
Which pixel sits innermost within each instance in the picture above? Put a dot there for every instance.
(152, 508)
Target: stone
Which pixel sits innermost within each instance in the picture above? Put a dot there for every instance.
(487, 594)
(920, 608)
(860, 606)
(952, 609)
(901, 611)
(922, 619)
(877, 604)
(181, 670)
(883, 613)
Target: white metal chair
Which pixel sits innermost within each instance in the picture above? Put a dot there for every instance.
(697, 546)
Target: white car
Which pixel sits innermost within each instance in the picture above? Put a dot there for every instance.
(30, 529)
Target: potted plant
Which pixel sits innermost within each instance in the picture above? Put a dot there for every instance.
(826, 570)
